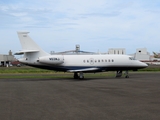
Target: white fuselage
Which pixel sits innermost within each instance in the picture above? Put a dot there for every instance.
(73, 62)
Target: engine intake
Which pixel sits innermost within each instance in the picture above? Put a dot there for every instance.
(52, 59)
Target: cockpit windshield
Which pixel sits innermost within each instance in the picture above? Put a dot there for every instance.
(131, 58)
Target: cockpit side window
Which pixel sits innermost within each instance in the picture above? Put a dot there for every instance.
(131, 58)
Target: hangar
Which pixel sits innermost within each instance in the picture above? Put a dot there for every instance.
(5, 60)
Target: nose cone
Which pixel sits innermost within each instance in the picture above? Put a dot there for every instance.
(143, 65)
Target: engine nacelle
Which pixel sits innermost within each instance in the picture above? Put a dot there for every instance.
(52, 59)
(23, 60)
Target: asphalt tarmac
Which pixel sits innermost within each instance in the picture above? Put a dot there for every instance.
(135, 98)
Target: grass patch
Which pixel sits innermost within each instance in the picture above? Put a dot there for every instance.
(36, 73)
(25, 69)
(150, 68)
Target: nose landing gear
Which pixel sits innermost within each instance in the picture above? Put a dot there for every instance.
(119, 74)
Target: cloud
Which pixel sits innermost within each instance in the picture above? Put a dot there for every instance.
(112, 14)
(103, 23)
(19, 14)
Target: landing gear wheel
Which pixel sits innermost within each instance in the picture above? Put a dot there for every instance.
(127, 76)
(119, 74)
(81, 76)
(76, 75)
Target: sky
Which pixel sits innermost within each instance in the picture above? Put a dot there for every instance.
(95, 25)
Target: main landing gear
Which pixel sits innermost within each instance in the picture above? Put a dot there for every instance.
(126, 73)
(119, 74)
(81, 76)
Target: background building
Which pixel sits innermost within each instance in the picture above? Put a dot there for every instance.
(142, 54)
(117, 51)
(5, 60)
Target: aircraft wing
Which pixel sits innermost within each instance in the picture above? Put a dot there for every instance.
(84, 70)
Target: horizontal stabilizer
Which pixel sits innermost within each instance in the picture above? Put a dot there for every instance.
(83, 70)
(25, 51)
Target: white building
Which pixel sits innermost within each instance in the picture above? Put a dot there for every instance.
(142, 54)
(117, 51)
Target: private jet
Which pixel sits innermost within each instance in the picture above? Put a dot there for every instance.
(78, 64)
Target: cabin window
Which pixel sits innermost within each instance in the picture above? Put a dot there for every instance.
(84, 61)
(102, 60)
(105, 60)
(108, 60)
(112, 60)
(87, 60)
(95, 60)
(98, 60)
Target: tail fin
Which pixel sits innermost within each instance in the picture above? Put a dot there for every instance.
(28, 45)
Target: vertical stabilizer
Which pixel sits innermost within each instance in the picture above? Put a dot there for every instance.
(28, 45)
